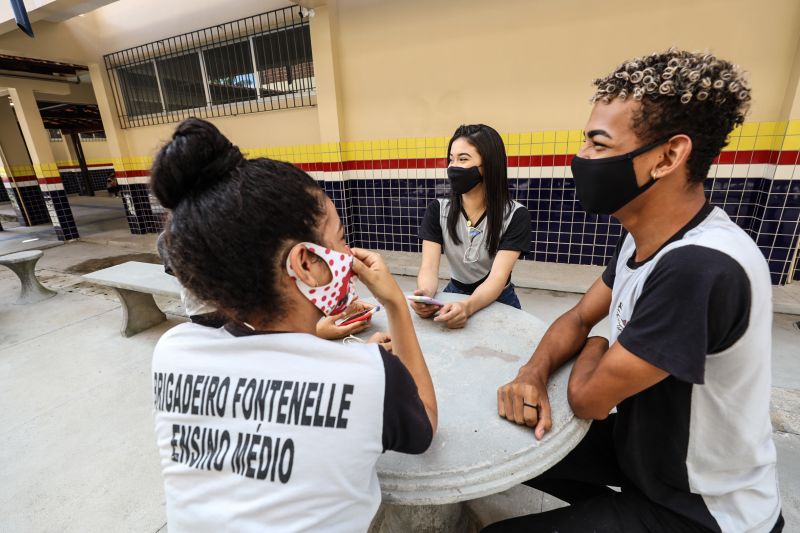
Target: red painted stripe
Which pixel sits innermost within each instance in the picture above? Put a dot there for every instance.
(789, 157)
(747, 157)
(725, 158)
(49, 181)
(132, 173)
(12, 179)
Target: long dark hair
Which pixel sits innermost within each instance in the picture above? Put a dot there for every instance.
(489, 145)
(232, 219)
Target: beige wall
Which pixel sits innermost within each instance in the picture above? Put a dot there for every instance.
(120, 25)
(96, 151)
(11, 140)
(127, 23)
(60, 152)
(418, 67)
(255, 130)
(93, 151)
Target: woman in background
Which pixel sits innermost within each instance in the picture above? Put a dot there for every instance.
(481, 231)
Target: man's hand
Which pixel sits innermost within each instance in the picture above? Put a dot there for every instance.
(525, 402)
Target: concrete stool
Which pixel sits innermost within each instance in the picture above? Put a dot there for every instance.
(23, 263)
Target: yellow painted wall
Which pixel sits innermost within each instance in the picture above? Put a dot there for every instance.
(418, 67)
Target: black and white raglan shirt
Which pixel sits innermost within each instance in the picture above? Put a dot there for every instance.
(469, 270)
(699, 442)
(277, 432)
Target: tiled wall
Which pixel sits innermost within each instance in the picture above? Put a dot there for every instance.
(23, 191)
(143, 213)
(38, 196)
(381, 189)
(29, 204)
(98, 174)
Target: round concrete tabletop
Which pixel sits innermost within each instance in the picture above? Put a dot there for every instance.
(475, 452)
(20, 257)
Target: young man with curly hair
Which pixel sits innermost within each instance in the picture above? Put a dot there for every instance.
(687, 363)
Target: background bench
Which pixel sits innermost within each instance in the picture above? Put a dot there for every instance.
(135, 284)
(23, 264)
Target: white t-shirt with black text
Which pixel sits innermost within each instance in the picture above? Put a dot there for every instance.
(277, 432)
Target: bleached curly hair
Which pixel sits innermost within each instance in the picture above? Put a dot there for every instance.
(696, 94)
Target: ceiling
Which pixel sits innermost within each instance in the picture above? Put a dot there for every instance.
(42, 67)
(70, 118)
(47, 10)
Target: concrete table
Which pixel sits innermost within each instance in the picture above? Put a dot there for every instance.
(135, 284)
(475, 453)
(23, 265)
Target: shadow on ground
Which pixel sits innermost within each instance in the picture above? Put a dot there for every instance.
(92, 265)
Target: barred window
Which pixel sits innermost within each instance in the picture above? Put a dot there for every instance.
(140, 90)
(249, 65)
(231, 77)
(181, 82)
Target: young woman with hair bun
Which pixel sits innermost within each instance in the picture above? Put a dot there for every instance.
(261, 425)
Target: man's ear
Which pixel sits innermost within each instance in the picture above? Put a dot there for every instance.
(675, 155)
(302, 262)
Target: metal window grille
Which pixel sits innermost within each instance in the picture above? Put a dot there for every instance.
(254, 64)
(55, 135)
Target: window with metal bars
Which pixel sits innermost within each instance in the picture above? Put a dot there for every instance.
(254, 64)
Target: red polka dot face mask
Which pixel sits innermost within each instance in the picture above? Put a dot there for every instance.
(334, 297)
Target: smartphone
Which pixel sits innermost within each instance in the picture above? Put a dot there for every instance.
(424, 300)
(358, 317)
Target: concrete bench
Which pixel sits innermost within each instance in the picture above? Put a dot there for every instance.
(135, 284)
(23, 264)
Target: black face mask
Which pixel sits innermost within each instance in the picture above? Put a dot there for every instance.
(604, 186)
(463, 180)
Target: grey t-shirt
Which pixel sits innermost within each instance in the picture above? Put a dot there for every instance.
(470, 262)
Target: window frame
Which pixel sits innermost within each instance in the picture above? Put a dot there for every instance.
(302, 95)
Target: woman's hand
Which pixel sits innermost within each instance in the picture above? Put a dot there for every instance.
(454, 314)
(373, 272)
(327, 328)
(384, 339)
(424, 310)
